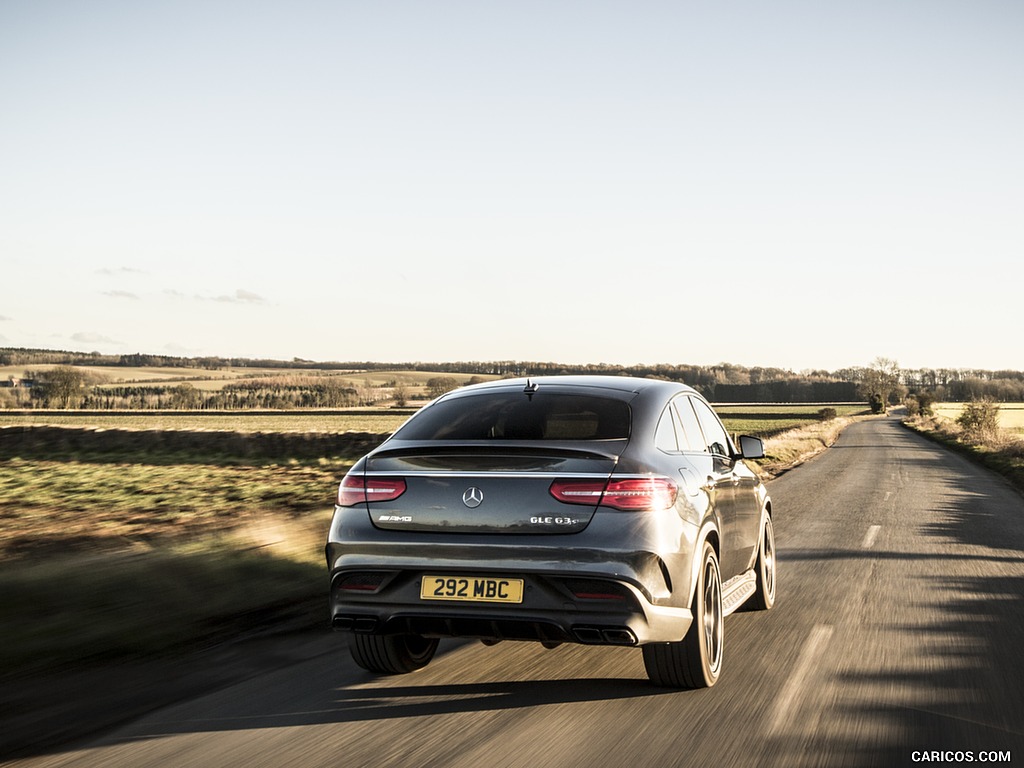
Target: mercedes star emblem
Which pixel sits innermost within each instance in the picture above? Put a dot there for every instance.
(473, 497)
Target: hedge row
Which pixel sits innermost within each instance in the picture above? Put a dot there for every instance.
(63, 443)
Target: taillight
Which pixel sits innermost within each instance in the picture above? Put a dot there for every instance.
(578, 491)
(358, 489)
(640, 494)
(631, 494)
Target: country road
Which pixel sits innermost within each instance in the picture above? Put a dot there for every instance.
(899, 630)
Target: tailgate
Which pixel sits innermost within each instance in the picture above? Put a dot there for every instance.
(478, 489)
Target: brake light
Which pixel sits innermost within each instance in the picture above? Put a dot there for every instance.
(577, 491)
(641, 494)
(631, 494)
(359, 489)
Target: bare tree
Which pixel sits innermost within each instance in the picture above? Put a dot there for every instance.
(401, 394)
(63, 386)
(879, 382)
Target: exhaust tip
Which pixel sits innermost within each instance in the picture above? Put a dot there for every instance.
(364, 624)
(588, 635)
(605, 635)
(618, 636)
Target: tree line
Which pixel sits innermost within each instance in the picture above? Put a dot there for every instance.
(702, 375)
(882, 383)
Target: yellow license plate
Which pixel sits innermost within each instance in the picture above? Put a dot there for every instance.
(472, 589)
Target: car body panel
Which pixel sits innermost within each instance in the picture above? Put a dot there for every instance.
(597, 575)
(474, 488)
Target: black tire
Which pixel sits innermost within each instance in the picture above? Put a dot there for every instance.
(696, 660)
(392, 654)
(764, 597)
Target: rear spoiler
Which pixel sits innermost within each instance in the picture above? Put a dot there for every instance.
(591, 449)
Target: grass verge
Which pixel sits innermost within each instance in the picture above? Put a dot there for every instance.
(109, 551)
(1003, 453)
(795, 446)
(105, 607)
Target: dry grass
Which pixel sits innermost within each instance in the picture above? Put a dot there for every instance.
(795, 446)
(92, 551)
(1002, 452)
(1011, 415)
(213, 379)
(129, 375)
(55, 507)
(86, 608)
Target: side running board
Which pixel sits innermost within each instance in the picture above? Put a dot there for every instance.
(736, 591)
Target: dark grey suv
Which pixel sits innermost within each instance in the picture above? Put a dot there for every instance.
(575, 509)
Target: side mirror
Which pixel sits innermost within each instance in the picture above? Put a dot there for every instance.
(751, 447)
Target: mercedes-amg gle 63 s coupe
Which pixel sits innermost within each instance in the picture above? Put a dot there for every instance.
(566, 509)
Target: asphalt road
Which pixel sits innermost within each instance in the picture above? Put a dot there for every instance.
(899, 630)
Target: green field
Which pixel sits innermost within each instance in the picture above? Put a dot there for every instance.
(766, 419)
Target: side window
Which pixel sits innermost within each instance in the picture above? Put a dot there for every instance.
(665, 437)
(715, 436)
(690, 437)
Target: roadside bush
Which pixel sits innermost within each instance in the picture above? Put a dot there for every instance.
(980, 421)
(827, 414)
(925, 401)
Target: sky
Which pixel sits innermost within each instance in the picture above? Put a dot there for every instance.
(795, 184)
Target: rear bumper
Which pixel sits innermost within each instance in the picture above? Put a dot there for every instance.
(550, 613)
(650, 581)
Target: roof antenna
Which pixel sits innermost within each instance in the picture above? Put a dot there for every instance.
(530, 389)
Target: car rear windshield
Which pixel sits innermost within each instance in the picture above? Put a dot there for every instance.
(515, 416)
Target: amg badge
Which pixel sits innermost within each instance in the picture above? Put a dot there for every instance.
(394, 519)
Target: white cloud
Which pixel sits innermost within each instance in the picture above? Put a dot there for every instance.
(120, 271)
(86, 337)
(242, 296)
